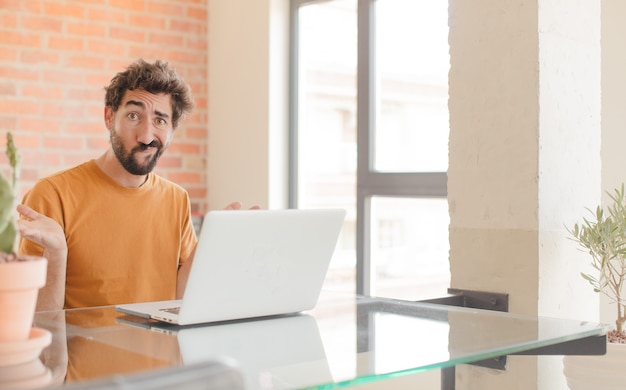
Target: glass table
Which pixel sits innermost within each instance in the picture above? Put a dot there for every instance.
(346, 340)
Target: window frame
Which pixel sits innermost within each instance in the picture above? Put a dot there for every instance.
(370, 183)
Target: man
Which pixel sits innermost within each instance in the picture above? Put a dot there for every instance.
(111, 229)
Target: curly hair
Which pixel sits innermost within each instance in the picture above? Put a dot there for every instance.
(155, 78)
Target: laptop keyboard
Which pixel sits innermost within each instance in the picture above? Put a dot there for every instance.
(173, 310)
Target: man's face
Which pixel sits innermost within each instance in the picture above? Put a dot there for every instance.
(140, 130)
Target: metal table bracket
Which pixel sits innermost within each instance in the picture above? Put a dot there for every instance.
(594, 345)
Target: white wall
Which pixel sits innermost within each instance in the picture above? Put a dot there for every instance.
(613, 108)
(248, 81)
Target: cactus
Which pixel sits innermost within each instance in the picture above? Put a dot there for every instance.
(8, 195)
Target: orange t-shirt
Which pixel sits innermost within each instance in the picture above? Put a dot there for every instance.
(124, 244)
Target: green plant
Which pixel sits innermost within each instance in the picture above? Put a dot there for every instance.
(8, 194)
(604, 238)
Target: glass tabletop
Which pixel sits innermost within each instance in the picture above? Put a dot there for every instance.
(346, 340)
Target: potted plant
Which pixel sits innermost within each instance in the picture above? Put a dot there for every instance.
(21, 276)
(603, 236)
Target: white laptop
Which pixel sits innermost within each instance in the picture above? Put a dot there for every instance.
(252, 263)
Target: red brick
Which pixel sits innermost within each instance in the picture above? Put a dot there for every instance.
(24, 141)
(43, 92)
(106, 47)
(100, 79)
(168, 161)
(134, 5)
(8, 123)
(41, 23)
(98, 142)
(180, 56)
(86, 28)
(66, 77)
(191, 1)
(64, 143)
(8, 21)
(184, 148)
(199, 13)
(165, 9)
(146, 21)
(95, 109)
(20, 39)
(127, 34)
(94, 2)
(200, 133)
(71, 160)
(66, 43)
(35, 158)
(197, 43)
(148, 53)
(84, 128)
(34, 7)
(166, 39)
(85, 94)
(185, 177)
(64, 9)
(38, 57)
(8, 54)
(16, 107)
(188, 27)
(18, 73)
(110, 16)
(85, 61)
(196, 192)
(11, 5)
(39, 125)
(7, 88)
(62, 109)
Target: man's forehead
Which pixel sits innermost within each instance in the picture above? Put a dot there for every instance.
(150, 101)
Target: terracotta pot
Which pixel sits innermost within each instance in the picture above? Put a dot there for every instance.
(20, 282)
(604, 372)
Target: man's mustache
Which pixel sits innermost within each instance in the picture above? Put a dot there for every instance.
(154, 144)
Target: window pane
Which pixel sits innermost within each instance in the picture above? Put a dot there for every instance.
(327, 123)
(412, 63)
(409, 245)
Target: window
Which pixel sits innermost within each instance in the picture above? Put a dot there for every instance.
(369, 130)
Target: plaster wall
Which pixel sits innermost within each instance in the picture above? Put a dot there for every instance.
(524, 161)
(247, 81)
(613, 113)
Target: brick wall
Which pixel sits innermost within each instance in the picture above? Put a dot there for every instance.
(57, 55)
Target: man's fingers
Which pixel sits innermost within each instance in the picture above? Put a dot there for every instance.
(27, 211)
(233, 206)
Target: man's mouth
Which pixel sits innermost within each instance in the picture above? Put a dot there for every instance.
(151, 145)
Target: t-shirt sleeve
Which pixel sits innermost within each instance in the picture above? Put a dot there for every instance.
(44, 199)
(188, 237)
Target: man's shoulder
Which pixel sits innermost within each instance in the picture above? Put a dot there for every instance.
(76, 173)
(164, 183)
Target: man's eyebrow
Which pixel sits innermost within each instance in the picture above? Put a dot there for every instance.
(136, 103)
(161, 114)
(142, 105)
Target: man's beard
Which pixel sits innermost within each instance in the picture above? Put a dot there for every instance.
(129, 160)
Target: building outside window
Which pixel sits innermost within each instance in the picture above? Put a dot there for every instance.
(370, 129)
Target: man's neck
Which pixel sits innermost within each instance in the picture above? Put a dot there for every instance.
(110, 165)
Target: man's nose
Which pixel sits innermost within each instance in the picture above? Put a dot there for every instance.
(145, 132)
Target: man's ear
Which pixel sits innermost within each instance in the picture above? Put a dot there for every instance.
(108, 116)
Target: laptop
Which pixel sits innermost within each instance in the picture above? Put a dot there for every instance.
(252, 263)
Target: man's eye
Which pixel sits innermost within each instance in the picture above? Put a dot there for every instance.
(161, 122)
(133, 116)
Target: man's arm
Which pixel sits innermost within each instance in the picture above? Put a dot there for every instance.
(48, 234)
(183, 275)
